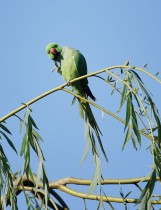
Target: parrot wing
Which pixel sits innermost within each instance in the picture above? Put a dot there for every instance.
(80, 64)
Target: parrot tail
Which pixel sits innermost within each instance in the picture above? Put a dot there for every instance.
(87, 114)
(88, 92)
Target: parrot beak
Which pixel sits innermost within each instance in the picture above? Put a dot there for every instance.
(53, 51)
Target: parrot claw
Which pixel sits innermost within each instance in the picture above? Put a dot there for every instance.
(68, 83)
(54, 69)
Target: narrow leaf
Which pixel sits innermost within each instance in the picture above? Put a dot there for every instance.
(30, 120)
(35, 133)
(23, 146)
(134, 142)
(46, 186)
(39, 171)
(148, 190)
(9, 141)
(127, 194)
(123, 96)
(158, 123)
(145, 66)
(5, 128)
(128, 110)
(135, 126)
(127, 137)
(137, 76)
(97, 174)
(127, 63)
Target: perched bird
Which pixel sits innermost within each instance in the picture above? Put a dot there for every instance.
(70, 63)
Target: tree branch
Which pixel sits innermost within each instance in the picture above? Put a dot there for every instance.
(76, 181)
(88, 196)
(100, 198)
(72, 81)
(27, 184)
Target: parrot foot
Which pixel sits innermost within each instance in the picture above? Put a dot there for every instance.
(68, 83)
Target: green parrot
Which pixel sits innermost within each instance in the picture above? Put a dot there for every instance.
(70, 63)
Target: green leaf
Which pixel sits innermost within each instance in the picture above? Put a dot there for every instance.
(136, 98)
(23, 146)
(6, 182)
(5, 128)
(39, 171)
(29, 131)
(128, 110)
(158, 124)
(134, 142)
(30, 120)
(27, 164)
(157, 158)
(29, 172)
(9, 141)
(127, 63)
(157, 74)
(154, 110)
(109, 78)
(46, 186)
(127, 194)
(145, 66)
(112, 92)
(21, 122)
(123, 96)
(101, 204)
(39, 151)
(136, 75)
(97, 174)
(127, 137)
(121, 193)
(135, 126)
(35, 133)
(148, 190)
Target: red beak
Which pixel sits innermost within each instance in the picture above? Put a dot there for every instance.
(53, 51)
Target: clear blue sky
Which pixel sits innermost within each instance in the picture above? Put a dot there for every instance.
(107, 33)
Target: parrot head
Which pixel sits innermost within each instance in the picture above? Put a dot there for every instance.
(53, 50)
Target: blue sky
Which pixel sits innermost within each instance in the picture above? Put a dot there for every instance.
(107, 33)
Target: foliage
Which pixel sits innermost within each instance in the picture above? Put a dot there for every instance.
(141, 119)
